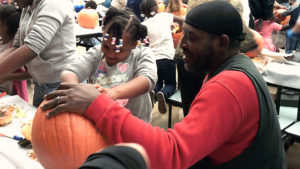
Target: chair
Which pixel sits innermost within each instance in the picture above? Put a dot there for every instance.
(173, 100)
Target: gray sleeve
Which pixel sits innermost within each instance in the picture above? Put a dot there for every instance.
(50, 18)
(85, 66)
(146, 66)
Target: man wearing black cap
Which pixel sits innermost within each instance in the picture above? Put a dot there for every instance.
(232, 123)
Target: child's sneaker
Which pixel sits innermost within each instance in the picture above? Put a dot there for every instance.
(162, 106)
(152, 94)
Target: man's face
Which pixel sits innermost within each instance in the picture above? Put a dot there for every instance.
(198, 49)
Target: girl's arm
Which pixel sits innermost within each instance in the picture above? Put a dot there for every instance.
(178, 19)
(15, 59)
(7, 52)
(83, 66)
(133, 88)
(68, 76)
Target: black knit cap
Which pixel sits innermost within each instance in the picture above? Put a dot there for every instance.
(217, 17)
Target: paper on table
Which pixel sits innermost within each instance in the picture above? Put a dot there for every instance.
(17, 159)
(6, 163)
(22, 107)
(8, 147)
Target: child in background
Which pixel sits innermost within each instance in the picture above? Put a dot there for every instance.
(9, 23)
(118, 68)
(161, 43)
(294, 42)
(266, 28)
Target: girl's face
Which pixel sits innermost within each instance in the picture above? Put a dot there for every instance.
(109, 50)
(23, 3)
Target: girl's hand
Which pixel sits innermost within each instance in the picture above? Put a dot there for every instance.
(97, 86)
(109, 91)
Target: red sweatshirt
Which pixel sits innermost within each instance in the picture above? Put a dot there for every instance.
(222, 122)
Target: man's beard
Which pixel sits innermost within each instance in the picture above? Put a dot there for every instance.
(199, 68)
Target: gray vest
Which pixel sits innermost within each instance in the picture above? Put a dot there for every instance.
(266, 150)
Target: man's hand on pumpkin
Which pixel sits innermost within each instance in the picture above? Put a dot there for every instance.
(70, 97)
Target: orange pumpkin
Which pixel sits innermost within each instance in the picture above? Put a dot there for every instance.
(259, 41)
(284, 20)
(64, 141)
(88, 18)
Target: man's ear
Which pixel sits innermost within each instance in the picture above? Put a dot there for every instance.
(223, 42)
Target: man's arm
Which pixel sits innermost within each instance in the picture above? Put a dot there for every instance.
(191, 140)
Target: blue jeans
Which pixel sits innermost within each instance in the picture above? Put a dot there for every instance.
(166, 73)
(41, 90)
(292, 43)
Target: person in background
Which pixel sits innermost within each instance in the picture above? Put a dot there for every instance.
(161, 43)
(294, 9)
(9, 23)
(121, 69)
(45, 42)
(134, 5)
(266, 28)
(262, 10)
(222, 129)
(119, 156)
(90, 5)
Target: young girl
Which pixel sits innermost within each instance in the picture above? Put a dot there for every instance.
(119, 68)
(9, 23)
(266, 28)
(161, 43)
